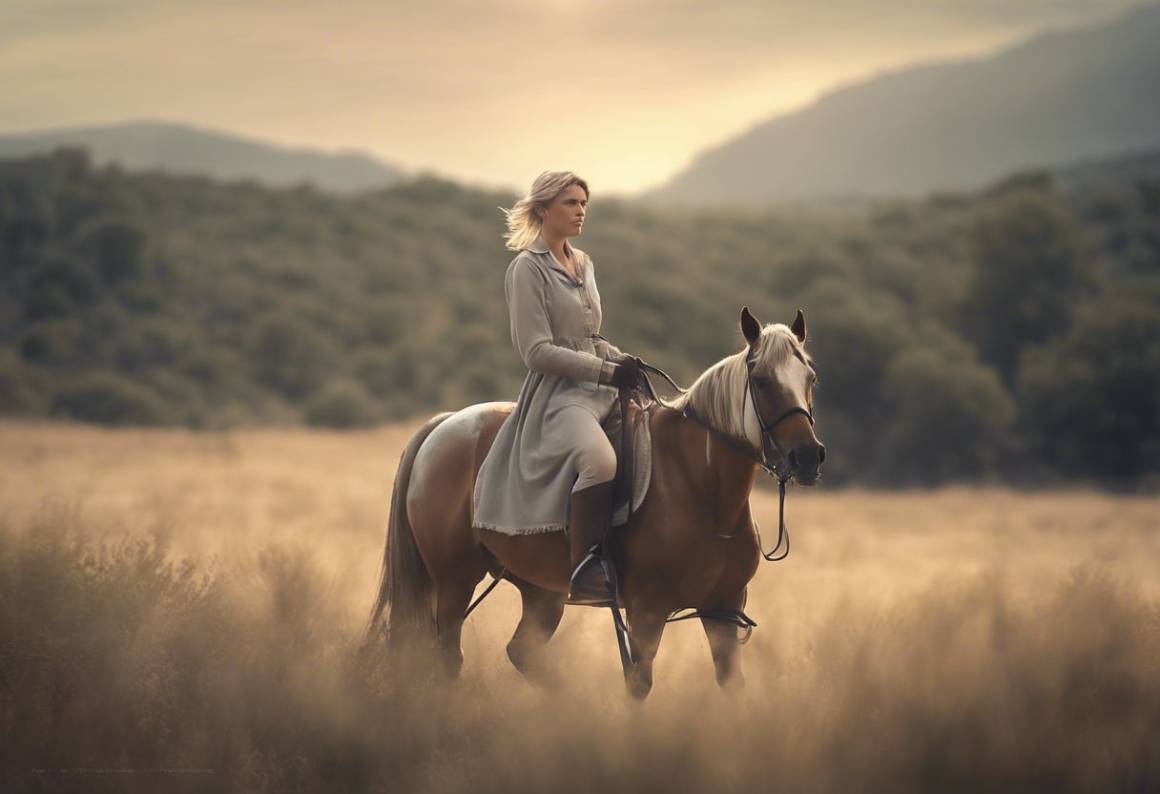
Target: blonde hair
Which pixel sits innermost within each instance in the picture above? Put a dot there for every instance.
(523, 223)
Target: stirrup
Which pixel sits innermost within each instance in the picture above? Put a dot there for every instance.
(598, 596)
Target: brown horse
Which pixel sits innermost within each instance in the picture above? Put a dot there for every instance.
(691, 543)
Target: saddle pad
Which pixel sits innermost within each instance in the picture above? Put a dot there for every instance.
(641, 468)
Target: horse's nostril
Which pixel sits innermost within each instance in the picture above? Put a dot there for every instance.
(821, 453)
(793, 458)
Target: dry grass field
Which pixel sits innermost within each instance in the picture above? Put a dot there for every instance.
(180, 611)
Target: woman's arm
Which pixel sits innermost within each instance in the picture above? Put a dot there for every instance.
(532, 332)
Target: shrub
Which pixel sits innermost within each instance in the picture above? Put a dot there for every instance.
(376, 371)
(340, 405)
(57, 287)
(108, 399)
(53, 343)
(15, 395)
(147, 344)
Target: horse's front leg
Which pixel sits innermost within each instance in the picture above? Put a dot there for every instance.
(542, 612)
(646, 624)
(723, 643)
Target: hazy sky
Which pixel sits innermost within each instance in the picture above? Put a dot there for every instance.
(486, 91)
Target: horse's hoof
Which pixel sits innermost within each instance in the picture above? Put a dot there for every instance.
(530, 665)
(734, 682)
(638, 686)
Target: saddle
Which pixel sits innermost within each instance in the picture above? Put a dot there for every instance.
(627, 428)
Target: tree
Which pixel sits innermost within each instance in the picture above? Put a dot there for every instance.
(1027, 274)
(1090, 400)
(854, 334)
(117, 249)
(291, 356)
(949, 418)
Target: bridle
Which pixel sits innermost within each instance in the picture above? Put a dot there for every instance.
(770, 458)
(779, 467)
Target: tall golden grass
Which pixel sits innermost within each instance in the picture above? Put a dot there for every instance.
(182, 611)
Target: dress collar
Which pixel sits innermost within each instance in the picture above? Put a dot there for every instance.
(538, 246)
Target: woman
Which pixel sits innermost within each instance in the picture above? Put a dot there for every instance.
(551, 466)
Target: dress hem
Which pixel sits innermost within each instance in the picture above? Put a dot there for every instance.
(533, 530)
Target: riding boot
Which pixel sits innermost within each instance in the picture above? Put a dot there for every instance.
(591, 513)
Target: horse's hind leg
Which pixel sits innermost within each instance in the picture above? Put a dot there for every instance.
(452, 598)
(542, 612)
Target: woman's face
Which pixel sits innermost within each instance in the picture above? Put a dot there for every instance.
(564, 217)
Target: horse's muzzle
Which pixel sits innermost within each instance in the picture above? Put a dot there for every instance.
(806, 463)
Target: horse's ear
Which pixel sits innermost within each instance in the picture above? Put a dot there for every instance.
(799, 327)
(749, 326)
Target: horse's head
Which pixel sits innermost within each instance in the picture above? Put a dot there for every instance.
(783, 376)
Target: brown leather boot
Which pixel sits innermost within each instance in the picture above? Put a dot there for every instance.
(591, 513)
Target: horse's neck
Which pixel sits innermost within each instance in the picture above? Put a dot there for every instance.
(735, 471)
(728, 474)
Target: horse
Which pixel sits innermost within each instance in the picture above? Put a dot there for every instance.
(691, 542)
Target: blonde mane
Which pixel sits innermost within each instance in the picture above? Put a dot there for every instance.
(718, 396)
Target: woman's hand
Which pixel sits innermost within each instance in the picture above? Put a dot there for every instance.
(628, 373)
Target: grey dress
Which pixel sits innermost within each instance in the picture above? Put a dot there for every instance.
(525, 481)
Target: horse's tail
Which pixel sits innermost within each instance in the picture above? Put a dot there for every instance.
(405, 586)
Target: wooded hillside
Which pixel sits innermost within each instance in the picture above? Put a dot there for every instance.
(1013, 331)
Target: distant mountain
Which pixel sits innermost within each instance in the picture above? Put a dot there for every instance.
(1059, 98)
(1111, 173)
(184, 149)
